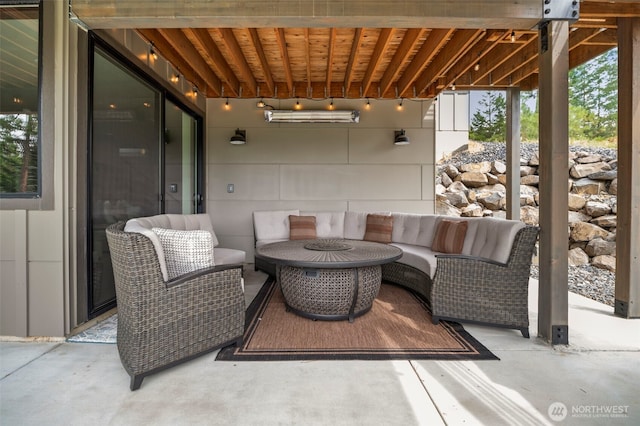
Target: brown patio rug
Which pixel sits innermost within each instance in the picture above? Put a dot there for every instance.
(398, 327)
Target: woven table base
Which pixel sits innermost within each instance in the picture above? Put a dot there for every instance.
(330, 294)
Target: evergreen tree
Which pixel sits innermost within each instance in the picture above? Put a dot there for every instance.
(488, 123)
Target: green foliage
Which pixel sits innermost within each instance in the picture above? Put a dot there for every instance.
(593, 106)
(18, 153)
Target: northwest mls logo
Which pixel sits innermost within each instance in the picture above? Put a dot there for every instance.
(557, 411)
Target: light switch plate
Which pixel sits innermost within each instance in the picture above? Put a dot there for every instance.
(230, 188)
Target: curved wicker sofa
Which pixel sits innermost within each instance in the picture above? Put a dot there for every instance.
(486, 283)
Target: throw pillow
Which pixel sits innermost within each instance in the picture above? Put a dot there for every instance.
(379, 228)
(449, 237)
(302, 227)
(185, 251)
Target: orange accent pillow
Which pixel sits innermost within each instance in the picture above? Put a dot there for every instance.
(379, 228)
(449, 237)
(302, 227)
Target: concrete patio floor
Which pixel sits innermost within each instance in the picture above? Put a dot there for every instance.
(594, 380)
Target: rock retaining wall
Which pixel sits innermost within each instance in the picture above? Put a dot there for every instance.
(478, 189)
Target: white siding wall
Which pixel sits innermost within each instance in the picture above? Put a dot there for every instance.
(316, 166)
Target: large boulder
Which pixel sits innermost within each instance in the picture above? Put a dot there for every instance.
(576, 202)
(451, 171)
(577, 257)
(587, 186)
(474, 179)
(445, 179)
(481, 167)
(606, 221)
(579, 171)
(446, 209)
(586, 158)
(575, 217)
(498, 167)
(492, 200)
(583, 231)
(604, 262)
(599, 247)
(529, 215)
(596, 208)
(532, 180)
(472, 210)
(613, 188)
(457, 199)
(527, 170)
(604, 175)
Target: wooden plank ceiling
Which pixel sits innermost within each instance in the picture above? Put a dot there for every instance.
(343, 62)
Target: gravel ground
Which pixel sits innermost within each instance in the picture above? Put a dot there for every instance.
(594, 283)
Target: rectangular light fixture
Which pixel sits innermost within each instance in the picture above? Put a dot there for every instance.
(311, 116)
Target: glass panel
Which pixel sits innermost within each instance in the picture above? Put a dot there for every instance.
(19, 119)
(125, 161)
(180, 160)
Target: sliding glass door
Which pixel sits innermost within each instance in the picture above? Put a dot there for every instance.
(143, 160)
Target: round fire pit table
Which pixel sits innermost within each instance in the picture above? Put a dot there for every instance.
(329, 279)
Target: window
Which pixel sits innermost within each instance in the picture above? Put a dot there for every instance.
(20, 153)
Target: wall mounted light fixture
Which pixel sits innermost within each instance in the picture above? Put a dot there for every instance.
(239, 137)
(401, 138)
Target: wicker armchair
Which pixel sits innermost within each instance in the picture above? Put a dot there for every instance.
(477, 290)
(161, 324)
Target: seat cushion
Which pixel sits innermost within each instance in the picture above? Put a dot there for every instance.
(379, 228)
(227, 256)
(449, 236)
(185, 251)
(419, 257)
(302, 227)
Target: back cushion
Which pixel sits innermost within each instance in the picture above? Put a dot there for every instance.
(272, 224)
(379, 228)
(302, 227)
(328, 224)
(185, 251)
(416, 229)
(491, 238)
(355, 224)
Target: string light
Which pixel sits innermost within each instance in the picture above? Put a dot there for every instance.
(400, 107)
(298, 106)
(477, 67)
(260, 103)
(513, 36)
(227, 107)
(331, 106)
(175, 78)
(453, 86)
(152, 52)
(368, 105)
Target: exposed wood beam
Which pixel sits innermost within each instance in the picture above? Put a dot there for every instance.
(460, 42)
(332, 39)
(239, 59)
(166, 49)
(586, 52)
(411, 38)
(284, 54)
(264, 63)
(353, 57)
(589, 9)
(376, 57)
(433, 44)
(307, 54)
(200, 38)
(181, 43)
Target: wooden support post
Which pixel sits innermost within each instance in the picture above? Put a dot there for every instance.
(553, 324)
(513, 153)
(627, 294)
